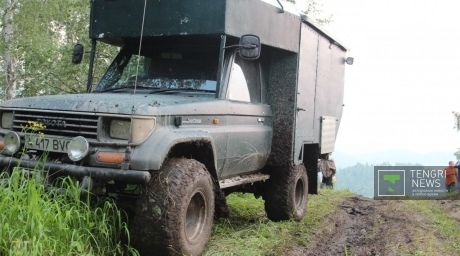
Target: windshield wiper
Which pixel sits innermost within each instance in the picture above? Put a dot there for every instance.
(182, 89)
(124, 88)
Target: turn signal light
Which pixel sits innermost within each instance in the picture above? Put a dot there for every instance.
(110, 157)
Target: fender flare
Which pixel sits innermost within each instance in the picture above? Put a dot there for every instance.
(160, 144)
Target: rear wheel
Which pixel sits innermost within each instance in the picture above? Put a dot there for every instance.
(286, 194)
(175, 211)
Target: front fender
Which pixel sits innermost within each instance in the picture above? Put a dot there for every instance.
(151, 154)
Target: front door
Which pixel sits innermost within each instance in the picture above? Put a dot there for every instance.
(249, 119)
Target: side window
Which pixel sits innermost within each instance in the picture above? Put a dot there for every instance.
(244, 81)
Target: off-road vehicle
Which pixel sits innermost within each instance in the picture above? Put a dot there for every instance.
(205, 98)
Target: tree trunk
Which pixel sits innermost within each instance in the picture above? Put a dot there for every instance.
(8, 30)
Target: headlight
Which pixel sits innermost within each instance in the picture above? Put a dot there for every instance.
(7, 120)
(142, 128)
(12, 143)
(78, 148)
(120, 129)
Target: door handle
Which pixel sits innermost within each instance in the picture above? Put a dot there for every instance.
(260, 120)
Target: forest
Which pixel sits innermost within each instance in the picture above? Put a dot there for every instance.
(36, 47)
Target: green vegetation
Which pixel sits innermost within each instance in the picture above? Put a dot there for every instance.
(35, 221)
(249, 232)
(444, 234)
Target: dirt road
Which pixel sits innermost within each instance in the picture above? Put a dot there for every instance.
(363, 226)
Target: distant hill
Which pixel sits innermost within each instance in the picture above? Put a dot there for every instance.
(358, 178)
(344, 160)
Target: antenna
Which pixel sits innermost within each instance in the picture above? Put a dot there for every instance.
(140, 47)
(128, 149)
(282, 7)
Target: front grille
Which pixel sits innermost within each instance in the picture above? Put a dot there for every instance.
(57, 123)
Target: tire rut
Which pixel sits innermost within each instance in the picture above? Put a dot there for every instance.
(363, 227)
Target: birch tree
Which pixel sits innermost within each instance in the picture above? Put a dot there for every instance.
(47, 31)
(9, 87)
(38, 57)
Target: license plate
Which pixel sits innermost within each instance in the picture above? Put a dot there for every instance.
(51, 144)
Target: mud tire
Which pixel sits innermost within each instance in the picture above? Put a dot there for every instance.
(175, 211)
(286, 194)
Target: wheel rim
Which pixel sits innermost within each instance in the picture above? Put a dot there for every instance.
(196, 216)
(299, 194)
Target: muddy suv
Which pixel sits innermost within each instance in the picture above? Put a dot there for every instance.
(202, 100)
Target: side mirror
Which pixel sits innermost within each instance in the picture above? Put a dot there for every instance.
(77, 55)
(249, 47)
(349, 60)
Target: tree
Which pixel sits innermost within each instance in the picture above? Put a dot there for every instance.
(457, 126)
(457, 154)
(7, 27)
(315, 9)
(44, 35)
(456, 120)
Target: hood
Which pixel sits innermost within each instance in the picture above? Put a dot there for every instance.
(113, 103)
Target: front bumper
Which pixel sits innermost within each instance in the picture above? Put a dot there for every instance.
(129, 176)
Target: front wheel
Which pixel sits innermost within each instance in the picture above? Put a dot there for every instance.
(175, 211)
(286, 194)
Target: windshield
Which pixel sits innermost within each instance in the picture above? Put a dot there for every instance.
(161, 69)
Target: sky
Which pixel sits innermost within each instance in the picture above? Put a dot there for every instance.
(405, 81)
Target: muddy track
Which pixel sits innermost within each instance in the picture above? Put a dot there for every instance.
(363, 226)
(452, 208)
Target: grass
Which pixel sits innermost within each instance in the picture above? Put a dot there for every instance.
(35, 221)
(39, 222)
(445, 230)
(249, 232)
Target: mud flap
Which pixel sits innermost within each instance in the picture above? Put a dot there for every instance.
(312, 181)
(310, 160)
